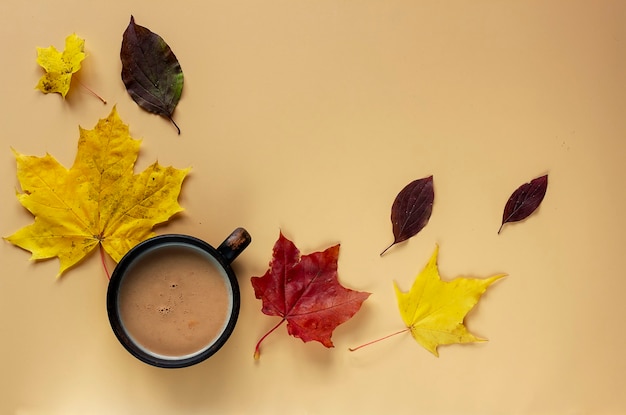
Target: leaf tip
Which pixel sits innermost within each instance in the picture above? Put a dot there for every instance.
(498, 277)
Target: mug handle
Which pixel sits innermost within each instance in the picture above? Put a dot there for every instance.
(236, 242)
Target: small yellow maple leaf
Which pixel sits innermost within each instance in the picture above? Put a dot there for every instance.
(434, 310)
(99, 200)
(60, 66)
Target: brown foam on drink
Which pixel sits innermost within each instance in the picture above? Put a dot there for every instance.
(174, 301)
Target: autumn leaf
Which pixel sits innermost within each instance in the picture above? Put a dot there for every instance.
(98, 201)
(150, 71)
(305, 292)
(434, 310)
(411, 209)
(524, 200)
(60, 66)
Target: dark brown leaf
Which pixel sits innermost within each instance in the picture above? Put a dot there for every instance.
(411, 209)
(150, 71)
(525, 200)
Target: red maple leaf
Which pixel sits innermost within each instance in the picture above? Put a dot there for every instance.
(306, 293)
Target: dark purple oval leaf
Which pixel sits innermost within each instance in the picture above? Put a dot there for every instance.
(411, 209)
(150, 71)
(525, 200)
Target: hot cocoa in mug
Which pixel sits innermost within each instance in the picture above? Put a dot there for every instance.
(173, 300)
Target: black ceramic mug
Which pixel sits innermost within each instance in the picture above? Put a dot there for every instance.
(173, 300)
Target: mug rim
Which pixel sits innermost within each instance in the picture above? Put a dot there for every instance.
(113, 295)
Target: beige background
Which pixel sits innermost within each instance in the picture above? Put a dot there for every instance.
(308, 117)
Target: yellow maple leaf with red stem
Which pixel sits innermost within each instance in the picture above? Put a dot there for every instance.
(99, 201)
(434, 310)
(60, 66)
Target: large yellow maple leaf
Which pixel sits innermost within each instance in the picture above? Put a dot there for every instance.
(60, 66)
(99, 200)
(434, 310)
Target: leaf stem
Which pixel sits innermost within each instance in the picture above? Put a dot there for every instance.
(385, 250)
(353, 349)
(104, 265)
(175, 125)
(257, 349)
(92, 92)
